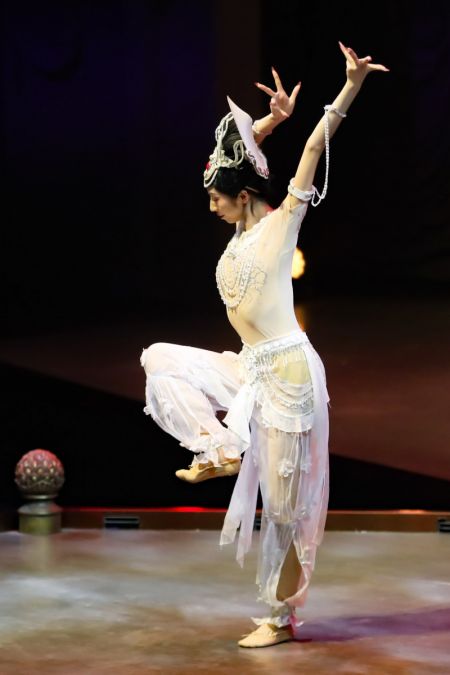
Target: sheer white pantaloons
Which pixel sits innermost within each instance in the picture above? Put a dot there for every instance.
(187, 386)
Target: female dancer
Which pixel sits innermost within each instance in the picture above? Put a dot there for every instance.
(274, 390)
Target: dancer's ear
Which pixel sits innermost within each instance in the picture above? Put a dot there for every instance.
(244, 196)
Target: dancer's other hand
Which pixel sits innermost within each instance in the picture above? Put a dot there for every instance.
(281, 105)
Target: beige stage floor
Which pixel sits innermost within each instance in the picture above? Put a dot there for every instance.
(111, 602)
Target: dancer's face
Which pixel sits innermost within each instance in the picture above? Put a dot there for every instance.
(229, 209)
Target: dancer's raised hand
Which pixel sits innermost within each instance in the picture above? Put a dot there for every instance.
(357, 69)
(281, 105)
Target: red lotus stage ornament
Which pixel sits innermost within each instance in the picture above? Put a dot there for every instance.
(40, 472)
(39, 477)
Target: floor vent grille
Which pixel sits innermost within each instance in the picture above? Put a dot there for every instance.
(443, 524)
(121, 522)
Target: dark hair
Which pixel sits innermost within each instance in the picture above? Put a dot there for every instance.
(231, 181)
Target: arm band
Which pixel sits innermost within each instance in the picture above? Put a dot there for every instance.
(303, 195)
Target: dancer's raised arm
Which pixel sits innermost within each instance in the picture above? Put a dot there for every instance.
(357, 70)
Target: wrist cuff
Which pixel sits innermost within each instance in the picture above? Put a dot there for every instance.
(258, 131)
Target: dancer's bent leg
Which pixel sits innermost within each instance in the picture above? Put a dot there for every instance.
(185, 388)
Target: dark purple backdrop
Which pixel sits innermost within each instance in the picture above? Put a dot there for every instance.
(108, 113)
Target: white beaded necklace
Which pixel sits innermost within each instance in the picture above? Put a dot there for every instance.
(240, 254)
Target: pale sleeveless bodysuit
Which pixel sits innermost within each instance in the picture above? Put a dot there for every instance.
(262, 258)
(266, 309)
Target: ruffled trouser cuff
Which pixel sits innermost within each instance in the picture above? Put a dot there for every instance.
(206, 449)
(283, 616)
(280, 616)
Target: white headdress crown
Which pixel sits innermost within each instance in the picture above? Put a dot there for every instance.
(244, 148)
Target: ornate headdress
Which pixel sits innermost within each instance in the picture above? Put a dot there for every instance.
(243, 148)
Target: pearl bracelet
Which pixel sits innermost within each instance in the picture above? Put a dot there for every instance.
(317, 195)
(257, 131)
(303, 195)
(330, 108)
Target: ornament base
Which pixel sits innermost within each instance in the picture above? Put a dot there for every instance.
(41, 517)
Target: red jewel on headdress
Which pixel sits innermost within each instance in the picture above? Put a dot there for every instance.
(208, 166)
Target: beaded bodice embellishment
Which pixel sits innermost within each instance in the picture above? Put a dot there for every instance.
(237, 270)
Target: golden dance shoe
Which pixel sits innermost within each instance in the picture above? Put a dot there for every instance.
(200, 472)
(266, 635)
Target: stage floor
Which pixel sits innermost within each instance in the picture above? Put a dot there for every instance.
(111, 602)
